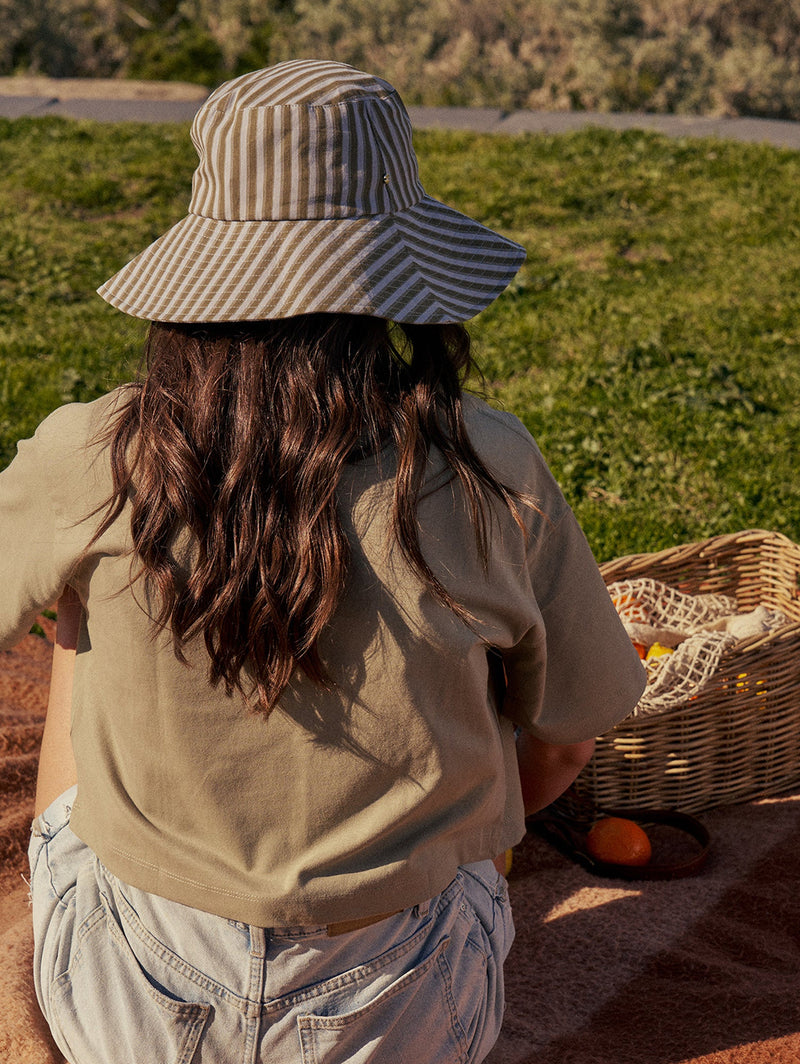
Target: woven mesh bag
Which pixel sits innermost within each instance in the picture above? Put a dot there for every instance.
(688, 622)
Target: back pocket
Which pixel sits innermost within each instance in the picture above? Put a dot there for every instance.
(411, 1020)
(105, 1007)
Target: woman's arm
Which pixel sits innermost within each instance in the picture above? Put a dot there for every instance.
(546, 769)
(56, 761)
(545, 772)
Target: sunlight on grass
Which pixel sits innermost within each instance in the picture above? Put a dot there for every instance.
(650, 341)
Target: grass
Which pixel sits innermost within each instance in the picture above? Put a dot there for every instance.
(649, 342)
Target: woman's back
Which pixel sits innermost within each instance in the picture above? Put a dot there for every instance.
(403, 740)
(321, 592)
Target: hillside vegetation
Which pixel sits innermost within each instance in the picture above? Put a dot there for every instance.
(650, 341)
(737, 57)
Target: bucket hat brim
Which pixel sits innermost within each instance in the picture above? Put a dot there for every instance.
(307, 199)
(426, 264)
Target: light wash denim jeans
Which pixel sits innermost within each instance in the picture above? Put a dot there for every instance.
(125, 977)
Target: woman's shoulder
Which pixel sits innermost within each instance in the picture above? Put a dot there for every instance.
(491, 427)
(511, 453)
(67, 458)
(501, 439)
(77, 425)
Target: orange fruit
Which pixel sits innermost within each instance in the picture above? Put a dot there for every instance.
(619, 841)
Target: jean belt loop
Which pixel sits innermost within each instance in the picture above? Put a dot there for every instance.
(421, 911)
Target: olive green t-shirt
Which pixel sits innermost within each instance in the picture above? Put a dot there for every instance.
(345, 802)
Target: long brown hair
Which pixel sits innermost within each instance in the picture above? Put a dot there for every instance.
(238, 433)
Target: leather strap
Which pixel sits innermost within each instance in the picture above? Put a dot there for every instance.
(568, 835)
(343, 926)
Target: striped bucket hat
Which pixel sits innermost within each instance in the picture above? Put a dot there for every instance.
(307, 198)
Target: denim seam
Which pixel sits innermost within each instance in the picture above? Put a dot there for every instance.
(455, 1021)
(496, 895)
(47, 838)
(351, 976)
(178, 964)
(179, 1008)
(259, 944)
(398, 987)
(194, 1029)
(295, 934)
(76, 955)
(470, 943)
(194, 1015)
(115, 935)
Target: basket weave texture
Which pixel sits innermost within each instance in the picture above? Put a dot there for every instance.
(739, 737)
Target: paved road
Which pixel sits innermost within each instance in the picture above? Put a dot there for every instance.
(481, 119)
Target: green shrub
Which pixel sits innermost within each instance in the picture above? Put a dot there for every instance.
(682, 56)
(177, 56)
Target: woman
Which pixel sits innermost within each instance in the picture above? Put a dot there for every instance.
(316, 591)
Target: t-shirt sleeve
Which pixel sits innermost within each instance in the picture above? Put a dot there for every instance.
(576, 674)
(34, 564)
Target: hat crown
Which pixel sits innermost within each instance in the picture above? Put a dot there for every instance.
(310, 82)
(303, 140)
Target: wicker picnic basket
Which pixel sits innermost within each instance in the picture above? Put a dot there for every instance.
(739, 737)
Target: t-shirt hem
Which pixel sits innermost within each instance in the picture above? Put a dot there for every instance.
(401, 891)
